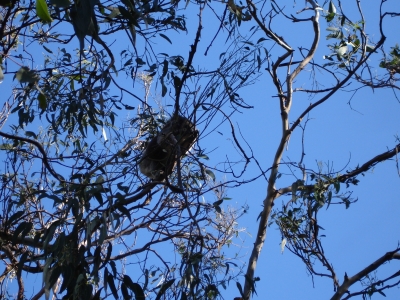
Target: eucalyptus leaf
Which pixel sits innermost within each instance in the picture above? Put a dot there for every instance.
(25, 75)
(42, 101)
(332, 8)
(42, 11)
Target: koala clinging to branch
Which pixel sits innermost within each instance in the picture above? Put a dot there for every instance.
(170, 144)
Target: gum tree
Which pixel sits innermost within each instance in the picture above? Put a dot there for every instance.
(90, 83)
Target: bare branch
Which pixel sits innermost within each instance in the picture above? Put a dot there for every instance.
(344, 287)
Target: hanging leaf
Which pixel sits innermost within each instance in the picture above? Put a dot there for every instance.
(332, 8)
(211, 174)
(42, 101)
(14, 217)
(111, 284)
(239, 286)
(84, 20)
(42, 11)
(23, 228)
(134, 287)
(165, 37)
(164, 288)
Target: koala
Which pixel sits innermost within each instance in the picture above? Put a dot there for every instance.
(170, 144)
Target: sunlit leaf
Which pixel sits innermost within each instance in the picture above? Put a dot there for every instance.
(335, 29)
(330, 17)
(342, 50)
(42, 11)
(371, 48)
(332, 8)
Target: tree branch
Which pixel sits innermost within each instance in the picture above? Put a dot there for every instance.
(357, 277)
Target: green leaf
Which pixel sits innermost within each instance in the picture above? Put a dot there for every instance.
(164, 288)
(24, 227)
(125, 293)
(165, 37)
(329, 199)
(164, 89)
(25, 75)
(335, 29)
(217, 203)
(114, 268)
(134, 287)
(165, 68)
(99, 198)
(332, 8)
(239, 286)
(21, 262)
(102, 236)
(96, 262)
(84, 20)
(123, 188)
(49, 234)
(330, 17)
(261, 40)
(337, 186)
(31, 134)
(42, 101)
(370, 48)
(177, 82)
(218, 209)
(99, 179)
(1, 75)
(114, 12)
(42, 11)
(105, 276)
(111, 284)
(55, 274)
(47, 49)
(125, 211)
(109, 251)
(128, 4)
(14, 217)
(211, 174)
(382, 293)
